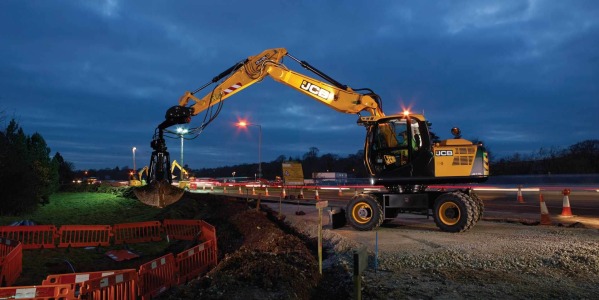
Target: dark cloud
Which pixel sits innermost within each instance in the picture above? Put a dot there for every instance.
(95, 77)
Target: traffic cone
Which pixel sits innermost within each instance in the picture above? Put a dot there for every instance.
(566, 211)
(545, 218)
(520, 198)
(340, 193)
(316, 195)
(266, 191)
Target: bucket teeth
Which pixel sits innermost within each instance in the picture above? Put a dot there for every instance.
(158, 193)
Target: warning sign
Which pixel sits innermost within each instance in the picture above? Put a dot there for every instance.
(293, 174)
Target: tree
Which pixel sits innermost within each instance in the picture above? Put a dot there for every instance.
(65, 169)
(28, 176)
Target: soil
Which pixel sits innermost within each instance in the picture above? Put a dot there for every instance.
(260, 256)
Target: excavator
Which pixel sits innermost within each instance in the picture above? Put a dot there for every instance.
(399, 152)
(184, 180)
(139, 180)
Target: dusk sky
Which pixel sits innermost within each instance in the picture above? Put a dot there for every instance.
(95, 78)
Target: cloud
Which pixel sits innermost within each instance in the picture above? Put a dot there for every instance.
(98, 76)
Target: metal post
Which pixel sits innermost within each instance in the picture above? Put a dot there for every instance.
(260, 152)
(134, 169)
(182, 164)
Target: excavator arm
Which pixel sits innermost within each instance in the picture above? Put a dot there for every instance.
(269, 63)
(237, 78)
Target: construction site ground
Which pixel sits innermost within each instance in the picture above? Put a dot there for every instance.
(271, 253)
(264, 255)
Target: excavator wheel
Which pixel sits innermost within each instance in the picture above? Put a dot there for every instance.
(364, 212)
(455, 212)
(158, 193)
(480, 204)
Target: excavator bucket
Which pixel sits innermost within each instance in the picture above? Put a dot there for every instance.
(158, 193)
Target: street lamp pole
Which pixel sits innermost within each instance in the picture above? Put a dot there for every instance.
(181, 132)
(134, 168)
(259, 151)
(245, 124)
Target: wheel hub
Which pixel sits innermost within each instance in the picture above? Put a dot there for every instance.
(449, 213)
(362, 213)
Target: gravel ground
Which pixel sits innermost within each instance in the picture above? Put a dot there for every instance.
(491, 261)
(260, 259)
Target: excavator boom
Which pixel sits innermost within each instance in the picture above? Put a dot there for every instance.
(387, 156)
(232, 81)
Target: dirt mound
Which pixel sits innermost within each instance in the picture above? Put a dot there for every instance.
(259, 256)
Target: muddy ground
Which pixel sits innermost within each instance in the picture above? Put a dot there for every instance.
(260, 256)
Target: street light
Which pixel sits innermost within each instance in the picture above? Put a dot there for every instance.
(182, 132)
(134, 169)
(246, 124)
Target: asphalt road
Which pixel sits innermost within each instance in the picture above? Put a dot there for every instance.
(501, 204)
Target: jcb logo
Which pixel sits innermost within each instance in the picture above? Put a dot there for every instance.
(316, 90)
(444, 153)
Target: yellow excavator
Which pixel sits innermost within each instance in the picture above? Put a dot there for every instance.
(398, 150)
(184, 180)
(139, 181)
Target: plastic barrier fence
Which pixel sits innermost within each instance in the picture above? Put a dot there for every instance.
(32, 237)
(59, 291)
(139, 232)
(84, 235)
(195, 261)
(157, 276)
(11, 261)
(152, 279)
(74, 280)
(118, 286)
(186, 230)
(209, 234)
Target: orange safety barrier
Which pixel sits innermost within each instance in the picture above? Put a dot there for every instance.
(196, 261)
(32, 237)
(75, 279)
(157, 276)
(209, 234)
(58, 291)
(151, 280)
(11, 261)
(84, 235)
(186, 230)
(118, 286)
(139, 232)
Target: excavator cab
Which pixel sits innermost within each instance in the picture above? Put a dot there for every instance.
(399, 146)
(400, 154)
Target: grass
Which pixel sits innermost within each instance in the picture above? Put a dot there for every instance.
(84, 209)
(87, 209)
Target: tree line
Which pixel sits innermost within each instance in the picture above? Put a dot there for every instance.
(29, 176)
(580, 158)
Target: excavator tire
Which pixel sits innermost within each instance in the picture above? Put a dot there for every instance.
(158, 193)
(364, 212)
(455, 212)
(480, 204)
